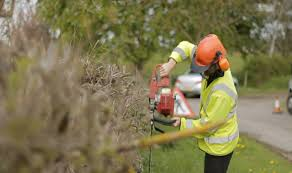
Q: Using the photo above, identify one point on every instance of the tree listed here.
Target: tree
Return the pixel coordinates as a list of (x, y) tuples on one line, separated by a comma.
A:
[(276, 30), (133, 30), (116, 24)]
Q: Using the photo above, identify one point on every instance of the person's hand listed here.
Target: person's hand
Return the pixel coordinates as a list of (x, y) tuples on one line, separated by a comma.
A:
[(177, 121), (167, 67)]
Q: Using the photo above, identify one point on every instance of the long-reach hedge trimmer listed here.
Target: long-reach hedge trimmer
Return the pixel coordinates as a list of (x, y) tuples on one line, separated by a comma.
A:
[(162, 103), (161, 98)]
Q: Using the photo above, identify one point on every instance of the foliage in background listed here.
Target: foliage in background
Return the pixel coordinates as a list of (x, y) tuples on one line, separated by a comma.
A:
[(61, 112), (262, 69), (135, 30), (276, 31)]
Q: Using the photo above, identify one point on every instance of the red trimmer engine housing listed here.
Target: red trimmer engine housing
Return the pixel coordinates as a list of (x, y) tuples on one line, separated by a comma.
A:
[(161, 96)]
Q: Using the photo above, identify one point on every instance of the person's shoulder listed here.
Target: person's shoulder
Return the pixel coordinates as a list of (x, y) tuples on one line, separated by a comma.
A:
[(184, 42)]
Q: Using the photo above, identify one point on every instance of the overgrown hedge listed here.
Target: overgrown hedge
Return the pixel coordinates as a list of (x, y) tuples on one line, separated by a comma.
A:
[(61, 112), (262, 68)]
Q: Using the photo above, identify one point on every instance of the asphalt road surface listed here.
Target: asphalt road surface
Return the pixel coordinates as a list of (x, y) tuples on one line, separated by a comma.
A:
[(257, 120)]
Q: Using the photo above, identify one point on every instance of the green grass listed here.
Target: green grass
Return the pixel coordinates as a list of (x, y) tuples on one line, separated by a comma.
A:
[(261, 92), (184, 156)]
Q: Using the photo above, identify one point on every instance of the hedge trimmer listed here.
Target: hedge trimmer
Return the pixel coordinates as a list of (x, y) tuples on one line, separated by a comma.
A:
[(161, 98), (161, 102)]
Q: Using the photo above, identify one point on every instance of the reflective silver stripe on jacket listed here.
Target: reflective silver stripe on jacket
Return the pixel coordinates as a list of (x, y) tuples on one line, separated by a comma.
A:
[(189, 123), (226, 89), (193, 51), (221, 140), (180, 52), (203, 120), (232, 112), (233, 95), (229, 92)]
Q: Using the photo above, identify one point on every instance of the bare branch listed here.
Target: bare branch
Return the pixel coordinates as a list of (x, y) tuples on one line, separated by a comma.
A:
[(2, 4), (8, 13)]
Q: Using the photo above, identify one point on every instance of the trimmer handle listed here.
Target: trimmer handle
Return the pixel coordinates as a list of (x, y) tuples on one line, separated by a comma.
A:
[(161, 81), (163, 121), (157, 82)]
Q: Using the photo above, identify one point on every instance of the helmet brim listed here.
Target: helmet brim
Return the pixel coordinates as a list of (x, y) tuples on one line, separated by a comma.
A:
[(195, 68)]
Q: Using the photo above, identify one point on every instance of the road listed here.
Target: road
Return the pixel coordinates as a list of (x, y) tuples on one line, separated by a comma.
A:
[(257, 120)]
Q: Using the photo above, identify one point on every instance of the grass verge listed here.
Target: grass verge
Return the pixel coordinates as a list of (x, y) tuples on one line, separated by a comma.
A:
[(258, 92), (184, 156)]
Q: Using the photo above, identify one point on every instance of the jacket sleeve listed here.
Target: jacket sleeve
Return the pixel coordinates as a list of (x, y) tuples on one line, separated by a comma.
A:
[(184, 50), (218, 108)]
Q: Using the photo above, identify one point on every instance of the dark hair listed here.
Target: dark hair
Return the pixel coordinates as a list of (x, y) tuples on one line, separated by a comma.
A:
[(218, 73)]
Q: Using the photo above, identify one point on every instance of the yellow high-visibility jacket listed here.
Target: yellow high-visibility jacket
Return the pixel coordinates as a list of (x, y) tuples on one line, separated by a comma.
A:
[(218, 102)]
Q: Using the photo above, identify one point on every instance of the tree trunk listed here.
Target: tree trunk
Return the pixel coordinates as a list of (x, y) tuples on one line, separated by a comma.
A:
[(140, 65), (245, 78), (272, 46), (2, 4)]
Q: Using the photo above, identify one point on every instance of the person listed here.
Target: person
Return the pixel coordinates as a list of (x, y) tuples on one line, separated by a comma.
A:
[(218, 100)]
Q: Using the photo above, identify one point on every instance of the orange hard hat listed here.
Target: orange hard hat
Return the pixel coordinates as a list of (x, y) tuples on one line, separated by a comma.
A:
[(210, 50)]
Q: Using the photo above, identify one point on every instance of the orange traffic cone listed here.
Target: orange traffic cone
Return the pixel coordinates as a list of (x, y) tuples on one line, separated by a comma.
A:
[(277, 106)]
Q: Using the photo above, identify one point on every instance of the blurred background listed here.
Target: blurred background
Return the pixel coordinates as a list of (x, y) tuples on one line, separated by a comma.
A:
[(74, 76), (257, 34)]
